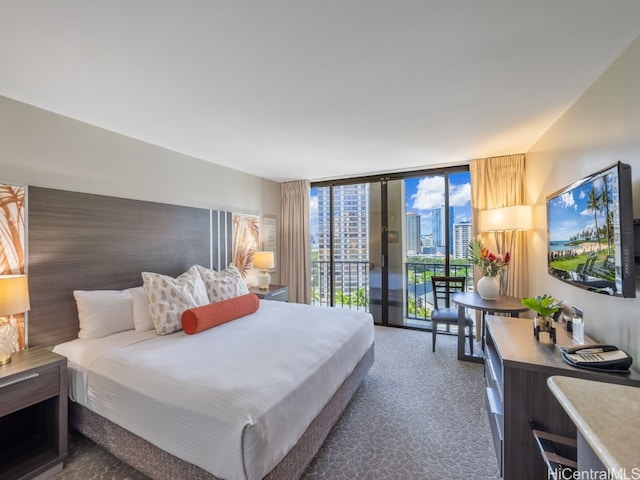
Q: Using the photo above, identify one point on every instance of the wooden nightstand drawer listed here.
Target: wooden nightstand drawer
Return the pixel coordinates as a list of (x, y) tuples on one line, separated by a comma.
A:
[(33, 414), (28, 388)]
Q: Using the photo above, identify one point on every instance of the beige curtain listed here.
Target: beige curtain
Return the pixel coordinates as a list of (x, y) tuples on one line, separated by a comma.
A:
[(296, 240), (500, 182)]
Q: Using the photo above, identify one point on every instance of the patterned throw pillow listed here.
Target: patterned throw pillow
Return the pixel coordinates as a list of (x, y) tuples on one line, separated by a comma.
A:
[(169, 297), (223, 285)]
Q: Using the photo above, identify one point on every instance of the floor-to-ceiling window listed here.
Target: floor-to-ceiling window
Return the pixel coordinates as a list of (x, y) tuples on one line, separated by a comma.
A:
[(376, 242), (438, 219), (340, 245)]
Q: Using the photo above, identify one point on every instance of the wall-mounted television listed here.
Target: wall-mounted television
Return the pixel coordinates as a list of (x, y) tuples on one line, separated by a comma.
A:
[(590, 231)]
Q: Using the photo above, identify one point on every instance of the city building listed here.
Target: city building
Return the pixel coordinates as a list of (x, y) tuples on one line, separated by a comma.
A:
[(350, 240), (413, 233), (461, 238)]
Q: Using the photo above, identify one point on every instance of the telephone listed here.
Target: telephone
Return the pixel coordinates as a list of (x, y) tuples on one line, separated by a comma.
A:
[(598, 357)]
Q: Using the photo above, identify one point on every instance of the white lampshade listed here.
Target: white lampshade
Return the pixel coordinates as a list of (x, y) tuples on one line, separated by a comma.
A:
[(263, 260), (514, 217), (14, 294)]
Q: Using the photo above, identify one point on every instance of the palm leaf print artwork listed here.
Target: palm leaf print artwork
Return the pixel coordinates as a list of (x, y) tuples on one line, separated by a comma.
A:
[(12, 203), (246, 235)]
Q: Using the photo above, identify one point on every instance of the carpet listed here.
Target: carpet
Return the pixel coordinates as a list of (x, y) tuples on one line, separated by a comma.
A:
[(418, 415)]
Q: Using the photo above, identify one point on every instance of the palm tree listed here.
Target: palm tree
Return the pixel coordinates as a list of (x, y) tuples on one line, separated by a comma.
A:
[(315, 295), (593, 204), (604, 203)]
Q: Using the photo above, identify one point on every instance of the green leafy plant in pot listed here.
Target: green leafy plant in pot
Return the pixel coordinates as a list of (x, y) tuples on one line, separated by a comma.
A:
[(544, 306)]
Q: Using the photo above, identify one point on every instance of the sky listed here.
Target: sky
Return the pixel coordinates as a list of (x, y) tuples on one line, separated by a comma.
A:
[(423, 194), (568, 213)]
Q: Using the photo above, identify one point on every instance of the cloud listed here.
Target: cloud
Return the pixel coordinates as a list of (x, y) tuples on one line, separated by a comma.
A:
[(459, 195), (566, 200), (430, 194)]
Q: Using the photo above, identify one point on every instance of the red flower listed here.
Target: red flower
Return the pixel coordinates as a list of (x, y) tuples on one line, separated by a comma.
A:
[(491, 264)]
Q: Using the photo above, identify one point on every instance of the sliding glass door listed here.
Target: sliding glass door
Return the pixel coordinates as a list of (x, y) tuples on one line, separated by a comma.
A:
[(376, 243), (438, 227)]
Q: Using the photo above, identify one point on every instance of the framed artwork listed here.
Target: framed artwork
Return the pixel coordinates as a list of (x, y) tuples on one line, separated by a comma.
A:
[(246, 240), (12, 241), (270, 236)]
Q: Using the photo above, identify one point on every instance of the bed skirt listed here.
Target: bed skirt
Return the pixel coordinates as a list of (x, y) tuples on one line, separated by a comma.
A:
[(160, 465)]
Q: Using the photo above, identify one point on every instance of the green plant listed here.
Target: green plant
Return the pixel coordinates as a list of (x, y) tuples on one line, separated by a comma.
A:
[(491, 264), (544, 305)]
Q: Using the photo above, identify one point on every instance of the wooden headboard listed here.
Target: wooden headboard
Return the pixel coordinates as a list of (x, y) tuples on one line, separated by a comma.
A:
[(79, 241)]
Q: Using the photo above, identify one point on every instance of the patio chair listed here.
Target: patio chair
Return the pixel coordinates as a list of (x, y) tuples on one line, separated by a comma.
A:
[(442, 312)]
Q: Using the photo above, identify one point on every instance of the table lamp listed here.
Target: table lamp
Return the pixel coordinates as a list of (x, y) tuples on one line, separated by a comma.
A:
[(263, 261), (14, 298)]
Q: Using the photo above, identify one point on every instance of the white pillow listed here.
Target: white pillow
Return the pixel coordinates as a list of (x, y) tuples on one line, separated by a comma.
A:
[(103, 312), (223, 285), (169, 297), (142, 319)]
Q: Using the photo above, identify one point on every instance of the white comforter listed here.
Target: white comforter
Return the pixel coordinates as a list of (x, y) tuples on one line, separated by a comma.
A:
[(233, 399)]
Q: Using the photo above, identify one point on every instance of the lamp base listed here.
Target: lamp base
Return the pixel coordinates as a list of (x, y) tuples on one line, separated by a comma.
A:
[(8, 342), (264, 279)]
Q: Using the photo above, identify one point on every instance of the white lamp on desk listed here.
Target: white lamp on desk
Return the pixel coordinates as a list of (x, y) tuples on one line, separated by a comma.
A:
[(263, 261), (14, 298)]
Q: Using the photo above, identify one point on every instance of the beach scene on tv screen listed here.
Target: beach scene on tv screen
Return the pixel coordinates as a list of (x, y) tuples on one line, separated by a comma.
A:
[(584, 234)]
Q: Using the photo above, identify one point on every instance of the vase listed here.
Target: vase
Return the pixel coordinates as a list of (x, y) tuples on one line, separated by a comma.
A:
[(488, 287)]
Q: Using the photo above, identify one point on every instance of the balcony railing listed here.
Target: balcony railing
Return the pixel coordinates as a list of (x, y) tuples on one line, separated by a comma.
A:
[(351, 285), (419, 292)]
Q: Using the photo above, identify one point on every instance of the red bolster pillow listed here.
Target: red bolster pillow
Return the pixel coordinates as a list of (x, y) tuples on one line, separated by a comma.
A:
[(208, 316)]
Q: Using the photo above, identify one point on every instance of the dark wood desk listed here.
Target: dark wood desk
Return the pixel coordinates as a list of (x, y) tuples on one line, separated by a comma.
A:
[(502, 304), (517, 368)]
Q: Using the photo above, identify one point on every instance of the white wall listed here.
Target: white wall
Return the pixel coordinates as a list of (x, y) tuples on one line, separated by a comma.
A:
[(602, 127), (44, 149)]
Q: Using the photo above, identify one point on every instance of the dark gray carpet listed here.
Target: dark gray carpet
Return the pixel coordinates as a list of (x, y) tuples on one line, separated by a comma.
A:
[(417, 415)]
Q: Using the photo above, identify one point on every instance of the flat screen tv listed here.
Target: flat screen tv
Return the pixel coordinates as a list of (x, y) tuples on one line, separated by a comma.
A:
[(590, 231)]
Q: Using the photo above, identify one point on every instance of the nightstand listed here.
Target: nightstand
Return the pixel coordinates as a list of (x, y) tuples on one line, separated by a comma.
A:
[(33, 414), (279, 293)]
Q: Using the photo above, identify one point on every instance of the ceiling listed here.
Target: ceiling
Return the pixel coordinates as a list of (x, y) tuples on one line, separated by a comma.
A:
[(303, 89)]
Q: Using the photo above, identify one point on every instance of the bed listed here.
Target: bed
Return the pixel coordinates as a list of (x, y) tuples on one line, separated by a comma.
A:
[(178, 405)]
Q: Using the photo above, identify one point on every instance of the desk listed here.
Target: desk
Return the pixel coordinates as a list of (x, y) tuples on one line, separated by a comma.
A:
[(502, 304), (605, 441), (517, 368)]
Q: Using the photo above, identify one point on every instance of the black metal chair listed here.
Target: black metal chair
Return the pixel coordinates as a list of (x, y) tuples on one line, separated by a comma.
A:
[(442, 312)]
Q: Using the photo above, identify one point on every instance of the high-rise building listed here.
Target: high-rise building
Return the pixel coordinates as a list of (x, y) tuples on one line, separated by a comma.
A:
[(413, 233), (439, 226), (461, 239), (350, 235)]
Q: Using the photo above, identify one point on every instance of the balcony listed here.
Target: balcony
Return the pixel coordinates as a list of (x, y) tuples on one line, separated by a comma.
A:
[(352, 285)]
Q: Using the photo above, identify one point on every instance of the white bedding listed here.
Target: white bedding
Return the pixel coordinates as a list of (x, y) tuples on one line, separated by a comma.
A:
[(233, 399)]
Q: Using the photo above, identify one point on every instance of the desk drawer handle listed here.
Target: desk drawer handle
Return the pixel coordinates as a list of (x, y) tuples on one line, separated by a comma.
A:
[(18, 380)]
